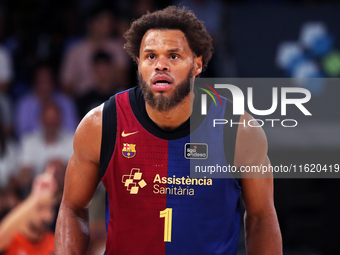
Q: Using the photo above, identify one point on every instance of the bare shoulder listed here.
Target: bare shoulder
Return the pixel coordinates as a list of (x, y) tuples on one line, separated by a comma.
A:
[(251, 151), (251, 143), (87, 139), (81, 179)]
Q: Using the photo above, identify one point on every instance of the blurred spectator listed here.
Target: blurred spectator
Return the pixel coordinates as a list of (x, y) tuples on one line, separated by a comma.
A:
[(25, 229), (105, 83), (6, 72), (8, 156), (6, 76), (8, 171), (42, 146), (8, 200), (59, 167), (29, 107), (6, 113), (76, 76)]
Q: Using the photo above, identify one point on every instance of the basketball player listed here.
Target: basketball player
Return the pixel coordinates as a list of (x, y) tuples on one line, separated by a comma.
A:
[(134, 143)]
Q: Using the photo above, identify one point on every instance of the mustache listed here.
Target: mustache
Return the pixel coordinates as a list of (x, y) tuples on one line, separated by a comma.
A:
[(162, 73)]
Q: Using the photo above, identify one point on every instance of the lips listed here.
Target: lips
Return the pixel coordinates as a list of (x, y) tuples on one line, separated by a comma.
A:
[(161, 78), (161, 82)]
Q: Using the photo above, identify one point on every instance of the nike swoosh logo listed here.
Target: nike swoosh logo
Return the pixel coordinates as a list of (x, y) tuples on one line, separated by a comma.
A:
[(127, 134)]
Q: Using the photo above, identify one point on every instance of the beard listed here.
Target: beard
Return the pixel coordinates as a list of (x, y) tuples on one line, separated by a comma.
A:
[(165, 103)]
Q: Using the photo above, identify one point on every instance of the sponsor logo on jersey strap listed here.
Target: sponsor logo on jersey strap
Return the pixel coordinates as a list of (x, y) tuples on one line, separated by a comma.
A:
[(196, 150), (133, 181), (127, 134), (129, 150)]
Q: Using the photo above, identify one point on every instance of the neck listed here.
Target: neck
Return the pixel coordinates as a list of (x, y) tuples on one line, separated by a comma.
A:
[(173, 118)]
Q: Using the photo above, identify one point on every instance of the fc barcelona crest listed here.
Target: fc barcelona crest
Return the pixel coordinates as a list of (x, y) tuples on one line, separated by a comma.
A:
[(129, 150)]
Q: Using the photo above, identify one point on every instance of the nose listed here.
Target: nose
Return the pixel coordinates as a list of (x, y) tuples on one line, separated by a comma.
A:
[(162, 64)]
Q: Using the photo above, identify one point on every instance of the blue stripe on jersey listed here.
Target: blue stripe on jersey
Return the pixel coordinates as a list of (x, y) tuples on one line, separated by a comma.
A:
[(178, 167), (205, 218)]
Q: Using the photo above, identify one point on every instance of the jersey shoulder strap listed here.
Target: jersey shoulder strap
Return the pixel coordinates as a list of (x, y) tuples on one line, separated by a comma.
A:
[(109, 134)]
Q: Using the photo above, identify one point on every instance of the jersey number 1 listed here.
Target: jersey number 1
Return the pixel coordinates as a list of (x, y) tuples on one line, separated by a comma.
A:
[(167, 214)]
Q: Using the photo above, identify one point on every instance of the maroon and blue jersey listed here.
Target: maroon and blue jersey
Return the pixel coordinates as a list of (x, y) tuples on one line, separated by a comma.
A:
[(154, 205)]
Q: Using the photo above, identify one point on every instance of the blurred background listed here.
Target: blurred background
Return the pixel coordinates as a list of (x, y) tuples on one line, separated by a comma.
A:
[(59, 59)]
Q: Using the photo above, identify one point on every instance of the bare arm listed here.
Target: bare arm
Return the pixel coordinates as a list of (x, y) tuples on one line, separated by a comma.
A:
[(262, 229), (81, 181), (18, 219)]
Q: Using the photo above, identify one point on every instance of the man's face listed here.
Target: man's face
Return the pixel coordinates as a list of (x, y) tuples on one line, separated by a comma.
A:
[(166, 64)]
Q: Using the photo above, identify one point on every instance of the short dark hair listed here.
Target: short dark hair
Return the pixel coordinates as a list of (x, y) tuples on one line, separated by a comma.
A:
[(172, 17)]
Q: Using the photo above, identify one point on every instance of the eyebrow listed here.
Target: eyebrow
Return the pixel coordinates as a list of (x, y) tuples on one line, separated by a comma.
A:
[(174, 50), (148, 50), (170, 50)]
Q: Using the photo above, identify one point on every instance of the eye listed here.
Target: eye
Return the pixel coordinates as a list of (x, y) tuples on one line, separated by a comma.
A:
[(151, 57), (174, 56)]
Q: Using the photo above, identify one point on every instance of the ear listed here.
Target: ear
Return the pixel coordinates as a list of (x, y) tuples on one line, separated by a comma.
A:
[(198, 65)]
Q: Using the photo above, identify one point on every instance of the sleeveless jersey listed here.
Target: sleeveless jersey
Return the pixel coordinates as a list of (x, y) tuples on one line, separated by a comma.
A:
[(154, 206)]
